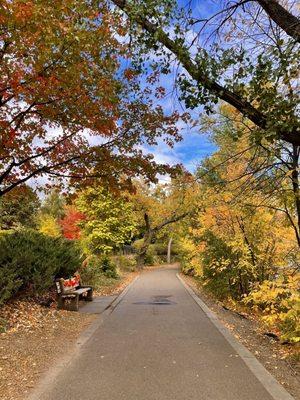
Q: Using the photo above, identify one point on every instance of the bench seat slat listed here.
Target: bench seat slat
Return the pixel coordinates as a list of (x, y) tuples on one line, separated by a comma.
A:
[(82, 290), (76, 291)]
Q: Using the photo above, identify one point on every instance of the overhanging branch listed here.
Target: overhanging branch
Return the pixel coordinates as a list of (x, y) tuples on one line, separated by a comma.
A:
[(183, 56)]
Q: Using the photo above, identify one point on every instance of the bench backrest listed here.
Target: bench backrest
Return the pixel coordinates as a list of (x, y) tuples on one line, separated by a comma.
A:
[(68, 285)]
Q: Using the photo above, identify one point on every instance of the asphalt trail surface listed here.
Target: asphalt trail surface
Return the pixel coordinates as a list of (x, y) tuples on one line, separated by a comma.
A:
[(157, 344)]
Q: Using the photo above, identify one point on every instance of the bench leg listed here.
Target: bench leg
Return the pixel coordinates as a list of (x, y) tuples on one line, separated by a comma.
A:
[(60, 303), (89, 296), (67, 303), (74, 305)]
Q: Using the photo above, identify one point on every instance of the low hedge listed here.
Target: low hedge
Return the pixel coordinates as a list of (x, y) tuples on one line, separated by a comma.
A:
[(30, 260)]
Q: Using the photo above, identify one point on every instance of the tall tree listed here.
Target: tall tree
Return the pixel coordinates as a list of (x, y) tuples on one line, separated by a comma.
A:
[(241, 234), (48, 225), (241, 54), (67, 107), (267, 170), (229, 59), (109, 221)]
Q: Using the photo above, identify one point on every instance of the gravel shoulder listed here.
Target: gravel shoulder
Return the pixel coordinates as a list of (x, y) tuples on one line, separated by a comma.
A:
[(282, 361)]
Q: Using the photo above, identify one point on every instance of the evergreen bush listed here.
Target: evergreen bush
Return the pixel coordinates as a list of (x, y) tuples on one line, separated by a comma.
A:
[(31, 260)]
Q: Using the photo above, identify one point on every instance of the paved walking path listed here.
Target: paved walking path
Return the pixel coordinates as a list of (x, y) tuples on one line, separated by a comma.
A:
[(98, 306), (157, 344)]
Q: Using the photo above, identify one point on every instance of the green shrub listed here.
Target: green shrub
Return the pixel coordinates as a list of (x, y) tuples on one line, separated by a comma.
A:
[(95, 268), (137, 244), (160, 248), (6, 231), (109, 268), (227, 268), (10, 283), (91, 270), (159, 259), (126, 263), (149, 259), (150, 256), (31, 260)]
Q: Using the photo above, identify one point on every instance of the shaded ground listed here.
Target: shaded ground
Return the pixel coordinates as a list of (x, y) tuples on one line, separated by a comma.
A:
[(280, 360), (33, 337), (26, 352)]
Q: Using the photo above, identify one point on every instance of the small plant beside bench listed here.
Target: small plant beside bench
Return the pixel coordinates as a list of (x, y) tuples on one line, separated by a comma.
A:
[(70, 291)]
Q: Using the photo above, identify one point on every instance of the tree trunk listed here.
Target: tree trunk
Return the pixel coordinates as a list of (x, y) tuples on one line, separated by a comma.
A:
[(151, 233), (143, 251), (296, 190), (282, 17), (247, 242), (169, 250), (146, 243)]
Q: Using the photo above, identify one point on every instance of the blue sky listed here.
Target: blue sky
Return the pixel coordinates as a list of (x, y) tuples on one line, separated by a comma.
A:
[(190, 151), (195, 146)]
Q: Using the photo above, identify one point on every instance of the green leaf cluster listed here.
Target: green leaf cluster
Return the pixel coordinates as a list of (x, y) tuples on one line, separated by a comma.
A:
[(110, 221)]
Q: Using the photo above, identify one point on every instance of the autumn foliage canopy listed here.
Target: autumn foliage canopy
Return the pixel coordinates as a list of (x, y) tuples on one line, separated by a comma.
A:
[(69, 108)]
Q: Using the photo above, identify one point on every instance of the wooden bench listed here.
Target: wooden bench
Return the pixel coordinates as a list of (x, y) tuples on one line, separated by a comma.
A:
[(69, 292)]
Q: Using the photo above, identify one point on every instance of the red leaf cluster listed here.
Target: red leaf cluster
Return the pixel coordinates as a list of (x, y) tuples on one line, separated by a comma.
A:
[(69, 224)]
